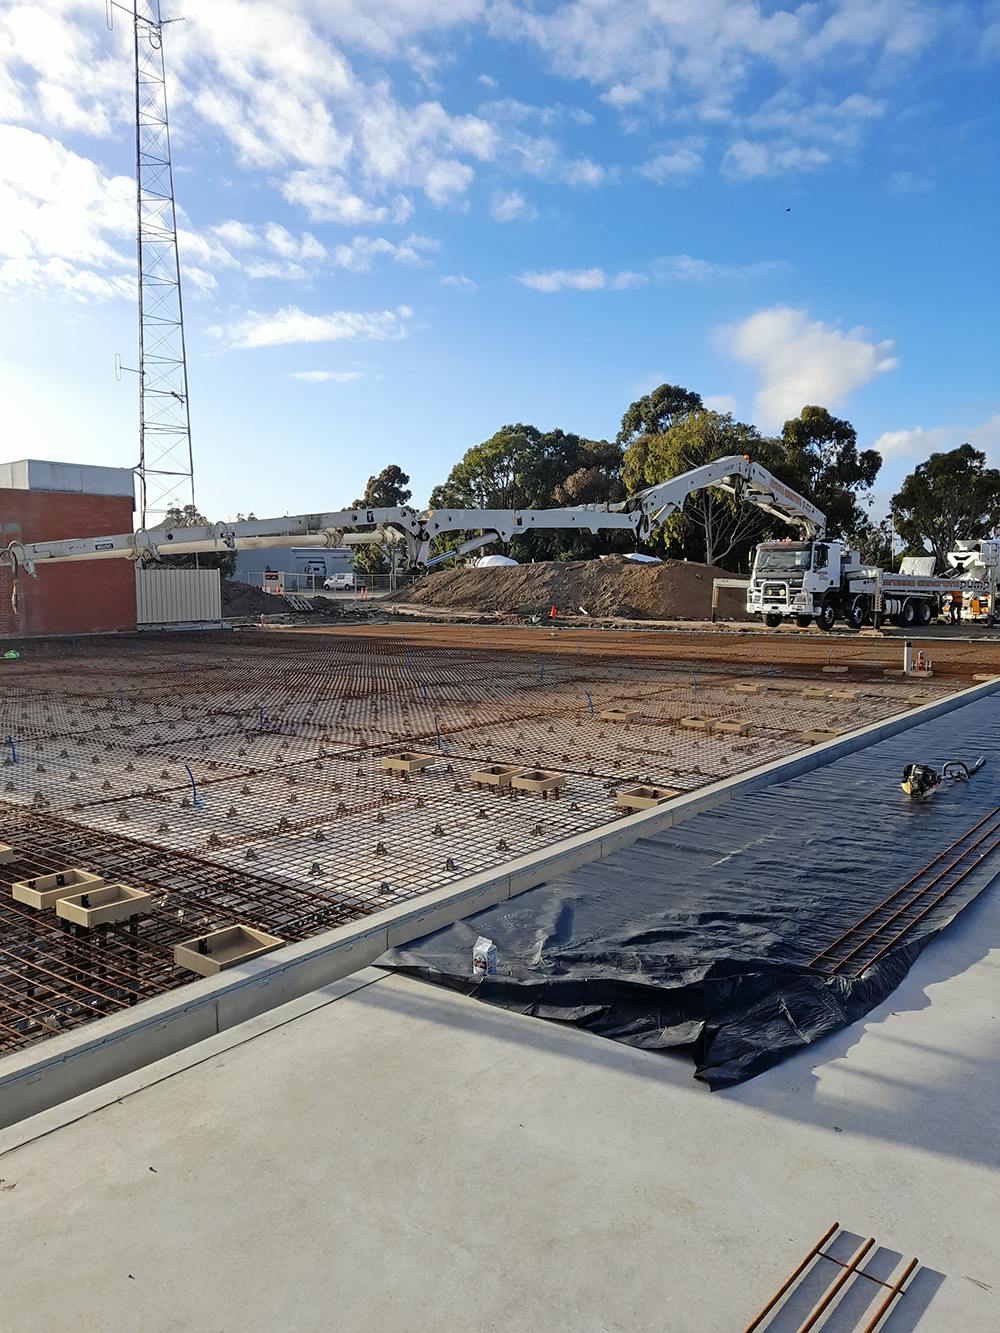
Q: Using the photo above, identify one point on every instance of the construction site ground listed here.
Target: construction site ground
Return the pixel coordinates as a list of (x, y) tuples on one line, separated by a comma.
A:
[(238, 777)]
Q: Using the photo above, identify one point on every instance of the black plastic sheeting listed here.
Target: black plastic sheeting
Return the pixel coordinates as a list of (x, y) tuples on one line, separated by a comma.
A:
[(699, 936)]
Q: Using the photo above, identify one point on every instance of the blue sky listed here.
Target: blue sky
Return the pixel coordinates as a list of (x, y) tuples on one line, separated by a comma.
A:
[(407, 223)]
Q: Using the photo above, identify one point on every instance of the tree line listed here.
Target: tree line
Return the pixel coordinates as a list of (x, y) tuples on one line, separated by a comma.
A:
[(951, 495)]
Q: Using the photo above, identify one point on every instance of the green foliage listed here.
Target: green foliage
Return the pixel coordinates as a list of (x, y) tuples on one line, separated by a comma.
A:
[(520, 467), (389, 490), (822, 460), (190, 517), (713, 526), (873, 542), (656, 412), (951, 496)]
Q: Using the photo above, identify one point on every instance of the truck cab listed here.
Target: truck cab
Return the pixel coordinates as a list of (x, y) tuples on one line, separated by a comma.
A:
[(796, 578)]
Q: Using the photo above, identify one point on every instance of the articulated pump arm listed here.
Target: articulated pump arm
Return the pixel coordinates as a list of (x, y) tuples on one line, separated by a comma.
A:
[(641, 514)]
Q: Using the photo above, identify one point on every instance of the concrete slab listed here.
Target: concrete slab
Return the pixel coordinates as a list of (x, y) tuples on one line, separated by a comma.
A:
[(394, 1154)]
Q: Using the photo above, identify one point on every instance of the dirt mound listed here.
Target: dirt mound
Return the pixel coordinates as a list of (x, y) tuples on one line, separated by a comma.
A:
[(243, 599), (615, 587)]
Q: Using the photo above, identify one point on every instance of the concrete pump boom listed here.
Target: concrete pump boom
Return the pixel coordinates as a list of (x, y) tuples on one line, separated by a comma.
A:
[(641, 514)]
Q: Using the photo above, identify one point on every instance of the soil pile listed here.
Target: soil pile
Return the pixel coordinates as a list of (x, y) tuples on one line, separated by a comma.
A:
[(614, 587), (243, 599)]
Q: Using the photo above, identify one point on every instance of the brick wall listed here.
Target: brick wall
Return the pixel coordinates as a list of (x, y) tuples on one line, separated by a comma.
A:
[(85, 598)]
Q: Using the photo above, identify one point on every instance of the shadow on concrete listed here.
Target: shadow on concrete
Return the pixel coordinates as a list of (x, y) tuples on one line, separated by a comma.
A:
[(946, 1106)]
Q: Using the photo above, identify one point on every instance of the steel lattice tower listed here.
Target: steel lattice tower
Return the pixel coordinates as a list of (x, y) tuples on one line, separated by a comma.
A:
[(166, 463)]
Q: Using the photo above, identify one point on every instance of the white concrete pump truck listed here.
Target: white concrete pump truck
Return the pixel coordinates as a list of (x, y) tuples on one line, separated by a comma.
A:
[(814, 578)]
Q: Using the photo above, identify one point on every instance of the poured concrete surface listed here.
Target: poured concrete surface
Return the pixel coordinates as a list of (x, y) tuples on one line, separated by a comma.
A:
[(386, 1154)]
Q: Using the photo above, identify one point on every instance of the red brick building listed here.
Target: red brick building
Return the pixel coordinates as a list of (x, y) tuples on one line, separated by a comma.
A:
[(42, 501)]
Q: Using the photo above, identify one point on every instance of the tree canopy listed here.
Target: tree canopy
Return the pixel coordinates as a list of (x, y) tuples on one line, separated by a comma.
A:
[(951, 496), (823, 461), (388, 490), (189, 516)]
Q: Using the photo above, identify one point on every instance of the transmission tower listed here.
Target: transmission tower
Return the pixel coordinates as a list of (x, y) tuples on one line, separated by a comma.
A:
[(166, 463)]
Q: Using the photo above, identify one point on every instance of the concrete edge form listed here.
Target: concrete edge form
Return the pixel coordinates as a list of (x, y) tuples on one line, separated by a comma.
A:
[(73, 1063)]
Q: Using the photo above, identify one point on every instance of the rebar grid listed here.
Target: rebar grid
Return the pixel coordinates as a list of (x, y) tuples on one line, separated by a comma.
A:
[(239, 781)]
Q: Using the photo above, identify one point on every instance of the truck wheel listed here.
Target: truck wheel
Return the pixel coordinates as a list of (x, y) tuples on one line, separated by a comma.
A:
[(856, 613), (772, 621), (924, 613), (827, 617), (907, 617), (803, 622)]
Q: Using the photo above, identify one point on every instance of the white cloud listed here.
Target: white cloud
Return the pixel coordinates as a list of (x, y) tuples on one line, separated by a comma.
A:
[(688, 268), (487, 80), (65, 226), (802, 361), (292, 325), (359, 253), (746, 160), (920, 443), (328, 197), (621, 94), (674, 164), (720, 402), (460, 282), (506, 205), (581, 280), (627, 280), (326, 376)]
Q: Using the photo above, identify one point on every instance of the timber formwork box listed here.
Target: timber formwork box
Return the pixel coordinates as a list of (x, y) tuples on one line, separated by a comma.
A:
[(644, 798), (821, 734), (406, 762), (104, 906), (497, 777), (44, 891), (541, 781), (213, 953), (619, 715), (734, 726)]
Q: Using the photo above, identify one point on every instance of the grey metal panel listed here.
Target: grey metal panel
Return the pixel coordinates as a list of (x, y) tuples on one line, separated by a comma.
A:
[(177, 596), (250, 565), (36, 474)]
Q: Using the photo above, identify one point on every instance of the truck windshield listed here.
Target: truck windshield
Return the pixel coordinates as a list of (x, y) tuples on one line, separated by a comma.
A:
[(783, 560)]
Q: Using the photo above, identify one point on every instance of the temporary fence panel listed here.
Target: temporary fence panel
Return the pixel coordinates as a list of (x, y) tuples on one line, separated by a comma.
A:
[(177, 596)]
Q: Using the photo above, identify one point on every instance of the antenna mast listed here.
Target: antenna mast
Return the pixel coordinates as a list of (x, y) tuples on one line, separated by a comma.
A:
[(166, 463)]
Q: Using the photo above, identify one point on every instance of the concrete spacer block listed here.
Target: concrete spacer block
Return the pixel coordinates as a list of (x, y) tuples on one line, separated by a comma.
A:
[(835, 670), (749, 687), (6, 854), (816, 692)]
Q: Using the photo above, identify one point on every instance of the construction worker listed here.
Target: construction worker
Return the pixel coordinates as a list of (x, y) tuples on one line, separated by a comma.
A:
[(956, 607)]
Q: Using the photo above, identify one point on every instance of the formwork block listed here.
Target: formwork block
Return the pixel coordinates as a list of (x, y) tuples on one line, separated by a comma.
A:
[(213, 953), (732, 726), (45, 891), (845, 695), (406, 761), (619, 715), (496, 776), (821, 734), (816, 692), (6, 854), (694, 723), (985, 675), (835, 670), (104, 906), (539, 780), (644, 798), (749, 687)]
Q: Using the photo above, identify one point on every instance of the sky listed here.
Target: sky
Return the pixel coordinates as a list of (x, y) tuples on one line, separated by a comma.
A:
[(407, 223)]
